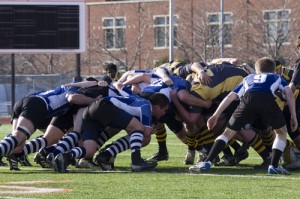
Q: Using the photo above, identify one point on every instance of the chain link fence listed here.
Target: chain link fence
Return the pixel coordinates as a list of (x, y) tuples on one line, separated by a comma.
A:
[(25, 85)]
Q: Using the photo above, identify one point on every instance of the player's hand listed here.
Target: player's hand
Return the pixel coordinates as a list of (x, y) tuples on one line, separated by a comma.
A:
[(204, 78), (294, 124), (173, 94), (211, 122), (168, 81)]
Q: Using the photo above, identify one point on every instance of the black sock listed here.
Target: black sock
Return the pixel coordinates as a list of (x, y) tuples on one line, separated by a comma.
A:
[(215, 150)]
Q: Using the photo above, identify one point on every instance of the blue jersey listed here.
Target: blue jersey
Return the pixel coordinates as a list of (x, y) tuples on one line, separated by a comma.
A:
[(56, 99), (265, 82), (160, 87), (138, 107)]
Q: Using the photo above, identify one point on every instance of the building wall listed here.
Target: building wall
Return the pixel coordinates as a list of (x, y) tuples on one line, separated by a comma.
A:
[(247, 31)]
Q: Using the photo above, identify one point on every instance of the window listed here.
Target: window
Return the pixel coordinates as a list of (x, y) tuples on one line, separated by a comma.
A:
[(276, 26), (215, 26), (114, 33), (161, 27)]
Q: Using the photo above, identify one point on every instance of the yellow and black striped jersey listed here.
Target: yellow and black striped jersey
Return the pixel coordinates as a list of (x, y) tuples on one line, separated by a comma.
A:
[(287, 73), (224, 78), (181, 69)]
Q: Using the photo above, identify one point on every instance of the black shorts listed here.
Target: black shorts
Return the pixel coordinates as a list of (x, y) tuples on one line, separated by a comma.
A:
[(173, 121), (102, 114), (65, 122), (34, 109), (255, 106)]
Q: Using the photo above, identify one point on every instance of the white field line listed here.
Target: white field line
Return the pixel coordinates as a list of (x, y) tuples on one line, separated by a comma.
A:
[(7, 197), (270, 177), (277, 177)]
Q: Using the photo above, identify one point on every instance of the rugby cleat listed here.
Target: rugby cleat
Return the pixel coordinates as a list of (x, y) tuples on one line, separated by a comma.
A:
[(242, 153), (13, 162), (62, 161), (142, 165), (159, 156), (227, 160), (202, 154), (86, 163), (189, 157), (41, 160), (277, 170), (51, 161), (1, 162), (106, 163), (200, 167), (24, 161)]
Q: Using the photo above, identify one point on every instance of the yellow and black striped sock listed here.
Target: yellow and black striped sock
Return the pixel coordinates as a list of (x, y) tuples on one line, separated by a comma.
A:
[(268, 139), (161, 137), (257, 144)]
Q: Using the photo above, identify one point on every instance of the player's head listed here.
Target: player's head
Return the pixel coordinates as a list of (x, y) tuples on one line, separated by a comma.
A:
[(160, 103), (111, 70), (265, 65)]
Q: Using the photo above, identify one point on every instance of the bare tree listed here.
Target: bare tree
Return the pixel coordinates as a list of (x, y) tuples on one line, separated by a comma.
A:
[(272, 29), (100, 51)]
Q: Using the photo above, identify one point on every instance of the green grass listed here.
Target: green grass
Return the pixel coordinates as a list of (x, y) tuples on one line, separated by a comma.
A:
[(170, 179)]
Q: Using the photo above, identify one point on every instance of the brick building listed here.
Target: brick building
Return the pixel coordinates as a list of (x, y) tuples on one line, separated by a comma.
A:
[(134, 33)]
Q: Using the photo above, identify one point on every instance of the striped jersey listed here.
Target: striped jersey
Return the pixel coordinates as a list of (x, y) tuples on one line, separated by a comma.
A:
[(138, 107), (264, 82), (56, 99)]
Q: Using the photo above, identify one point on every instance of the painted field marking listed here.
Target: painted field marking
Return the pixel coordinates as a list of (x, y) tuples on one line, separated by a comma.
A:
[(7, 188)]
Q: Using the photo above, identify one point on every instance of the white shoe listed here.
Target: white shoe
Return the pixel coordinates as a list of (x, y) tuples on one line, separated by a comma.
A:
[(278, 170), (200, 167)]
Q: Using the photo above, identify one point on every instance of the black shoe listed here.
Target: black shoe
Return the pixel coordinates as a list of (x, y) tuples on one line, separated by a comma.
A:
[(142, 165), (86, 163), (242, 153), (51, 161), (41, 160), (226, 160), (62, 161), (13, 162), (264, 165), (241, 156), (24, 161), (1, 162), (106, 163), (159, 156)]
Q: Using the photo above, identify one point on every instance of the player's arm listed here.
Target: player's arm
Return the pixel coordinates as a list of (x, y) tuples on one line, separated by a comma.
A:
[(162, 72), (142, 77), (82, 84), (80, 99), (212, 121), (203, 77), (147, 135), (184, 114), (248, 68), (126, 75), (292, 107), (190, 99)]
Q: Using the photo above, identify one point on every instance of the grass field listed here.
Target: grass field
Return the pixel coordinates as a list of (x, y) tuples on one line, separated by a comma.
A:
[(170, 179)]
